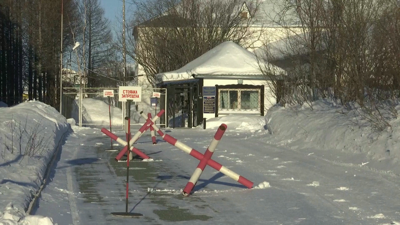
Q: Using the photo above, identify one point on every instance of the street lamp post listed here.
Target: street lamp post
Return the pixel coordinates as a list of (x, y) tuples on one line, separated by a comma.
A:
[(61, 57), (80, 83)]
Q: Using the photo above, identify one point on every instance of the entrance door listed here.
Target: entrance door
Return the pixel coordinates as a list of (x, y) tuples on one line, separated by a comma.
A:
[(182, 105)]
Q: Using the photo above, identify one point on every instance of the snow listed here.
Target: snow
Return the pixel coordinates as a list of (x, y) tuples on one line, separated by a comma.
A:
[(228, 58), (29, 135), (96, 112), (324, 165)]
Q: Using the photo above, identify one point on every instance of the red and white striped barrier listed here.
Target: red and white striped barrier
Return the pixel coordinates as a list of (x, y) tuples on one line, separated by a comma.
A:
[(199, 156), (124, 143), (203, 162), (138, 134), (152, 132)]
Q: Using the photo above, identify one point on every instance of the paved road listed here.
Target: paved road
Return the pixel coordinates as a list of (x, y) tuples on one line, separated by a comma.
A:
[(305, 188)]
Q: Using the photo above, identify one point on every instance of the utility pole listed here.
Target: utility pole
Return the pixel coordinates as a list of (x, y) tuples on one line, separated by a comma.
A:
[(61, 57), (124, 55), (124, 44)]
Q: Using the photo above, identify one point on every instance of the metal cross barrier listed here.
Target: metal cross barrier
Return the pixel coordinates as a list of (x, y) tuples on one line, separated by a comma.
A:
[(124, 143), (138, 134), (199, 156), (203, 162), (152, 132)]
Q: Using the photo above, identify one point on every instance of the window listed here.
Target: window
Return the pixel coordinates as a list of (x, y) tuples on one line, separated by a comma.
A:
[(239, 99), (244, 15), (229, 99), (249, 100)]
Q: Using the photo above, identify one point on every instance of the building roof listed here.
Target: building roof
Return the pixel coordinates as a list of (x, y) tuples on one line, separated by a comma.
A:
[(270, 13), (227, 58)]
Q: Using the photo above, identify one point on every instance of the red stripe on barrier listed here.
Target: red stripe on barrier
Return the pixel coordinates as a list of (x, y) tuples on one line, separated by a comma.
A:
[(196, 154), (139, 153), (189, 187), (203, 162), (214, 164), (145, 126), (121, 153), (245, 182), (160, 113), (108, 133), (220, 132), (170, 139)]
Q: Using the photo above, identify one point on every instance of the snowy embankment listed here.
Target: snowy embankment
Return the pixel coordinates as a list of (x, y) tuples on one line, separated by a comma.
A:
[(336, 134), (30, 134)]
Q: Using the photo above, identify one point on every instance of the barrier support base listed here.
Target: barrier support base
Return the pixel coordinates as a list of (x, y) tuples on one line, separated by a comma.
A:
[(126, 214)]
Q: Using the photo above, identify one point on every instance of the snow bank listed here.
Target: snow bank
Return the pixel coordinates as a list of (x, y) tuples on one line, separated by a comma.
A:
[(237, 122), (29, 133), (329, 128), (96, 111), (2, 104)]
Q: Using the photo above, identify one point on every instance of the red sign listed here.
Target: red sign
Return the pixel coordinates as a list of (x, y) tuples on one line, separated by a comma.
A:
[(156, 94), (108, 93), (130, 93)]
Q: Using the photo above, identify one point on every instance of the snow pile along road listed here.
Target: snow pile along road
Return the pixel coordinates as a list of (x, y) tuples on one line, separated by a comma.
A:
[(30, 134)]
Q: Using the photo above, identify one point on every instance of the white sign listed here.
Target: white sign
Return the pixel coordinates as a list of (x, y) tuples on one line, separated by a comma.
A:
[(108, 93), (156, 94), (130, 93)]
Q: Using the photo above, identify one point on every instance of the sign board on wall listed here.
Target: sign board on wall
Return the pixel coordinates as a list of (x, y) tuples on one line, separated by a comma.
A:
[(153, 102), (133, 93), (108, 93), (209, 91), (156, 95), (208, 104)]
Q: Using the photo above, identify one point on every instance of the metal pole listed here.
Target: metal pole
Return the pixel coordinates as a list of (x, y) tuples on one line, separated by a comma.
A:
[(80, 84), (61, 55), (124, 42), (109, 113), (80, 99), (128, 136), (124, 48)]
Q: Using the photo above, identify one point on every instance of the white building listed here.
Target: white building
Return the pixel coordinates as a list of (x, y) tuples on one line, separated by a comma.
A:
[(266, 27)]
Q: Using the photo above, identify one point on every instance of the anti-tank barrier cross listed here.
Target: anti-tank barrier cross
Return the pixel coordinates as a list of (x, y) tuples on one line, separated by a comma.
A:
[(122, 142), (145, 127), (193, 152), (203, 162)]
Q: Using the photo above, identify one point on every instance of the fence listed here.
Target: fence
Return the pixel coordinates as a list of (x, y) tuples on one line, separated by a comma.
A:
[(95, 107)]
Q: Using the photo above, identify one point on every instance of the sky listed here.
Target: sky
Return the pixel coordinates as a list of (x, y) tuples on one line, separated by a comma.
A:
[(320, 166), (113, 10)]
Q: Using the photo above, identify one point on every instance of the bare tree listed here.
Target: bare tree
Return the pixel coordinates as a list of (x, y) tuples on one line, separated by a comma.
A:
[(30, 56), (95, 37), (342, 54), (170, 33)]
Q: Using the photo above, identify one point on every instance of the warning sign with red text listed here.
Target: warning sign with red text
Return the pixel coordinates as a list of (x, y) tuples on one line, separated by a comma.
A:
[(108, 93), (130, 93)]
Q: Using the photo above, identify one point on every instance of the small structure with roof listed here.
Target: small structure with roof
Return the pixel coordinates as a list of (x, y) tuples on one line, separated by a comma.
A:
[(225, 80)]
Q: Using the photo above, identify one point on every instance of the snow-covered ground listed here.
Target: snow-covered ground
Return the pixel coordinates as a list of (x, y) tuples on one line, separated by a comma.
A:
[(320, 166)]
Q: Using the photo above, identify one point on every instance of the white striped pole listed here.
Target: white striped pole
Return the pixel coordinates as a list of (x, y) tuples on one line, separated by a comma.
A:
[(138, 134), (203, 162), (199, 156), (152, 132), (122, 142)]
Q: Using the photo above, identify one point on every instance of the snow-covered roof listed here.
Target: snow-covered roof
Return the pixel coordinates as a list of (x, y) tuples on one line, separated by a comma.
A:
[(294, 45), (228, 58)]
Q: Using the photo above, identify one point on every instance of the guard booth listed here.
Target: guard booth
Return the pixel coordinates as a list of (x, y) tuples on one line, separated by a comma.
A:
[(225, 80)]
